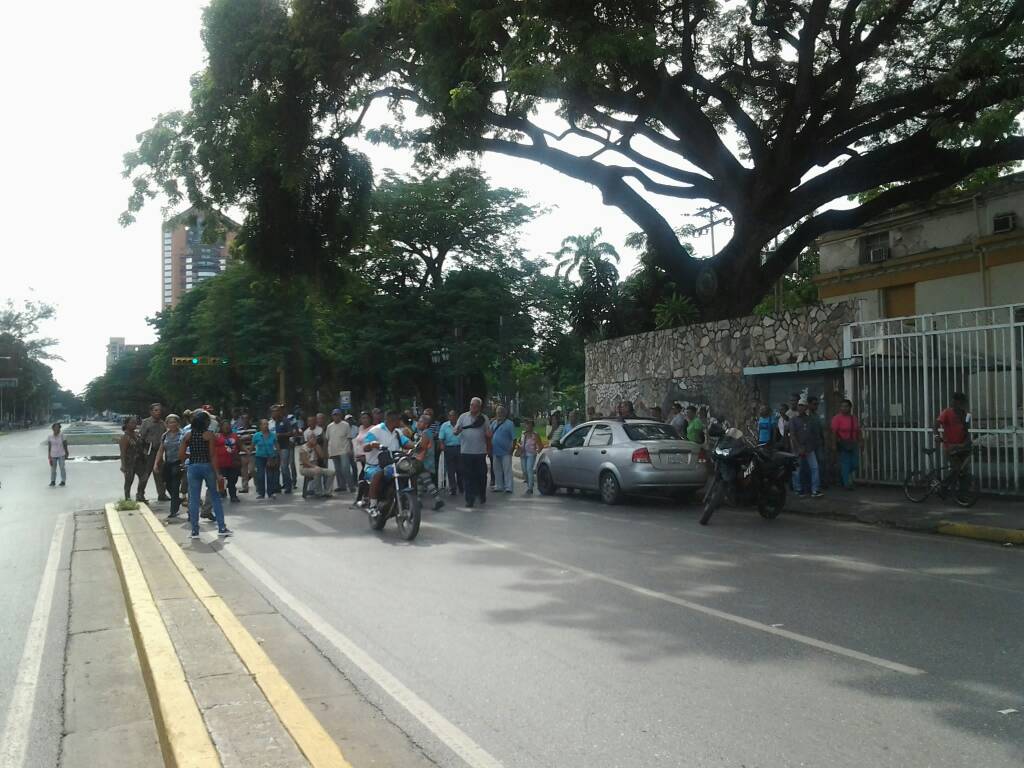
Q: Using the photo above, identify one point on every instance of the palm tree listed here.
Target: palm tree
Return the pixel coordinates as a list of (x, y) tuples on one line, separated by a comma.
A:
[(577, 250)]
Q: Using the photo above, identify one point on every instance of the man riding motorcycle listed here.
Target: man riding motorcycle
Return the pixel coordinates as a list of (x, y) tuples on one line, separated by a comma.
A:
[(385, 435)]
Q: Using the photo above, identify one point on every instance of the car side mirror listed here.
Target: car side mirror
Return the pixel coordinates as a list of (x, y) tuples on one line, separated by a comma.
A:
[(555, 444)]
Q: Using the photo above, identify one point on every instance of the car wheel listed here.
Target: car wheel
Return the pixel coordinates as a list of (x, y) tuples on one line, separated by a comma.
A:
[(545, 483), (611, 492)]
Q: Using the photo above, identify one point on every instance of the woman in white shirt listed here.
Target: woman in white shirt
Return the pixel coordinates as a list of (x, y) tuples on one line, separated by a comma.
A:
[(57, 451)]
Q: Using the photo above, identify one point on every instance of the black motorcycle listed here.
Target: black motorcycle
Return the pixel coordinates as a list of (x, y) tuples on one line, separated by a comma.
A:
[(398, 497), (745, 473)]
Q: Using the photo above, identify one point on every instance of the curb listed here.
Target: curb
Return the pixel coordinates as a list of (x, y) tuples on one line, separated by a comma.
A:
[(180, 727), (982, 532), (309, 735)]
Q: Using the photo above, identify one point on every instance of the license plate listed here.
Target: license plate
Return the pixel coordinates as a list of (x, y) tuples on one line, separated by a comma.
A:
[(673, 458)]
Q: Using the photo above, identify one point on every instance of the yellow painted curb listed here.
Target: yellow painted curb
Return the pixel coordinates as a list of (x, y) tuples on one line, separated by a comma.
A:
[(184, 739), (982, 532), (312, 740)]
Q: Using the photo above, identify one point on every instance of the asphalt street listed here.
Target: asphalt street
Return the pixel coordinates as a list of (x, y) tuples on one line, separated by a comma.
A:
[(35, 542), (561, 632)]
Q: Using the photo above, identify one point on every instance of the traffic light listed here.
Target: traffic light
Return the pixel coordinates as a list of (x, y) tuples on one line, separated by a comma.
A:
[(200, 360), (195, 361)]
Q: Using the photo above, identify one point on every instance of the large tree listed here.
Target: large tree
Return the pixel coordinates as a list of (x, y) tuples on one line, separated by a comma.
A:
[(427, 222), (770, 108)]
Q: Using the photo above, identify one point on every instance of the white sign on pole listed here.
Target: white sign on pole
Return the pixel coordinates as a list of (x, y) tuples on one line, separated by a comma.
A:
[(345, 399)]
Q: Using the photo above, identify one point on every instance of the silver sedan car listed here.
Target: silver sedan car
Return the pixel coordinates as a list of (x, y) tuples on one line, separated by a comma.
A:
[(617, 457)]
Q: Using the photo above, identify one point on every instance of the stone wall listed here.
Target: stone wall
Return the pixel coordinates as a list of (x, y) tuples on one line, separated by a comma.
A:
[(703, 364)]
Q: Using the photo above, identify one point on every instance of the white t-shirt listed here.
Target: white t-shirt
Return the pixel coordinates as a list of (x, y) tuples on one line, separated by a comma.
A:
[(390, 440), (56, 446), (339, 438)]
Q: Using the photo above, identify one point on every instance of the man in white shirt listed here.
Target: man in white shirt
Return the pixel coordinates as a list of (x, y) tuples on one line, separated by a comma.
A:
[(309, 467), (339, 450), (384, 435)]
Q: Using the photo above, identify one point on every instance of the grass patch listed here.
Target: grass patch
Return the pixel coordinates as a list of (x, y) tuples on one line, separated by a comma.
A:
[(126, 505)]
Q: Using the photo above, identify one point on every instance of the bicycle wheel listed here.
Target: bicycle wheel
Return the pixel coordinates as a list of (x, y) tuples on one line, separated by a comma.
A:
[(967, 490), (918, 486)]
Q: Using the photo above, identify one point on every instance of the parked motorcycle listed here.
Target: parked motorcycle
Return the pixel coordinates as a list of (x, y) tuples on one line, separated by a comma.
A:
[(398, 497), (746, 474)]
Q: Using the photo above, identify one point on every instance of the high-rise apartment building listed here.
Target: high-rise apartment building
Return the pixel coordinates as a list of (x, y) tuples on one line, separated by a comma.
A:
[(187, 258), (116, 349)]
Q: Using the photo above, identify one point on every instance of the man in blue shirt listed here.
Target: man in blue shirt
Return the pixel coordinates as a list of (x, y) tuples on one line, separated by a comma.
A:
[(451, 445), (503, 435)]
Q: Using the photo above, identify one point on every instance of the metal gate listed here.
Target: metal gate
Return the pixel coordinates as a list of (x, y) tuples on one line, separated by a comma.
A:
[(905, 371)]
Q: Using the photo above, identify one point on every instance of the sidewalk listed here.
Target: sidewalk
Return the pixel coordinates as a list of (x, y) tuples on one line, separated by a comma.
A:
[(206, 672), (993, 518)]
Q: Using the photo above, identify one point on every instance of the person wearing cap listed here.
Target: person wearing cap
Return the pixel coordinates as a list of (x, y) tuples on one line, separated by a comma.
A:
[(802, 436), (339, 450)]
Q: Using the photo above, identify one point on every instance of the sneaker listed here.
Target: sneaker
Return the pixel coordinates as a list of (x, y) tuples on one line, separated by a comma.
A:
[(225, 532), (438, 504), (243, 490), (62, 483), (173, 515), (163, 498), (52, 484), (258, 496), (373, 510), (195, 535), (817, 495), (206, 515)]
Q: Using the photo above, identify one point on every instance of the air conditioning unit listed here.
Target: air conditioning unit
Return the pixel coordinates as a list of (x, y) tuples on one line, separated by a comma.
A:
[(875, 255), (1004, 222)]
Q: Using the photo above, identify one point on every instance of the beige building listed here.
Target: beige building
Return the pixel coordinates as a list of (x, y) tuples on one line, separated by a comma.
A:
[(962, 252), (116, 348), (187, 258)]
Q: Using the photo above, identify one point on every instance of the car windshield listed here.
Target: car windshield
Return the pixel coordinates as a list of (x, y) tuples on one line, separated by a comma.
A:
[(651, 430)]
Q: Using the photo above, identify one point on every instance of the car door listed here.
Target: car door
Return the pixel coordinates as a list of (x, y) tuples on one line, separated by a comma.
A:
[(592, 455), (564, 459)]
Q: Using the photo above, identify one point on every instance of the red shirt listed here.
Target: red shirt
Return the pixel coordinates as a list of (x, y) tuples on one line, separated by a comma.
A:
[(846, 426), (227, 448), (954, 431)]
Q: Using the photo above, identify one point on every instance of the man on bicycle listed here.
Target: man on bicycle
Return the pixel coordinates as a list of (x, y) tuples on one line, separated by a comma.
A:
[(953, 430)]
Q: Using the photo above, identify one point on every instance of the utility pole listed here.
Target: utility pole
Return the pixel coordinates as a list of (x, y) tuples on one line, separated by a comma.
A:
[(709, 214)]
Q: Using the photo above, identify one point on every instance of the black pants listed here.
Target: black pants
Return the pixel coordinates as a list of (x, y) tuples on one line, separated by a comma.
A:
[(172, 482), (453, 468), (231, 479), (474, 476)]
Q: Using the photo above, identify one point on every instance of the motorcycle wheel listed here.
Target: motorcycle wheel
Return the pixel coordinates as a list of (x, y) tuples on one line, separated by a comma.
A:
[(712, 499), (408, 516), (773, 502), (377, 523)]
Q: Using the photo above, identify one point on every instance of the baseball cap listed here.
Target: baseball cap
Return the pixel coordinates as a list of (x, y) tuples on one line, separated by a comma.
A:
[(336, 412)]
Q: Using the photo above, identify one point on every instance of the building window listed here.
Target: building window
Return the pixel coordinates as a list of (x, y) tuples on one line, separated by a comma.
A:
[(874, 248)]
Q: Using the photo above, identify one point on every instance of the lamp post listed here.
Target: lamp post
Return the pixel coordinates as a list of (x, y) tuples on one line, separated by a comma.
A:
[(437, 357), (459, 402)]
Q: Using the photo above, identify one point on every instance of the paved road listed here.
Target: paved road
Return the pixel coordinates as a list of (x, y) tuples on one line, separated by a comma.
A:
[(560, 632), (32, 637)]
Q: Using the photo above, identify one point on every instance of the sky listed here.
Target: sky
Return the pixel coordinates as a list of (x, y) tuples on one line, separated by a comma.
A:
[(80, 81)]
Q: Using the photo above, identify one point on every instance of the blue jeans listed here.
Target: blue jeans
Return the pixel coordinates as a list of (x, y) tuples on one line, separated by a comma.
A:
[(529, 460), (848, 464), (266, 481), (344, 481), (197, 474), (502, 466), (287, 455), (55, 463), (810, 461)]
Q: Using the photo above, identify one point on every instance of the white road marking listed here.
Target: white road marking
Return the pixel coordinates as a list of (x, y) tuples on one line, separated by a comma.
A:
[(17, 729), (451, 735), (1007, 711), (839, 650), (310, 522)]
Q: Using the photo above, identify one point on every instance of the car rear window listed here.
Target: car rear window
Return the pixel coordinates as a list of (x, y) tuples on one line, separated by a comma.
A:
[(653, 430)]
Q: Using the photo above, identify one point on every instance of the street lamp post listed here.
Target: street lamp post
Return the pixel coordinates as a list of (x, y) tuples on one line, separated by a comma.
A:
[(437, 357)]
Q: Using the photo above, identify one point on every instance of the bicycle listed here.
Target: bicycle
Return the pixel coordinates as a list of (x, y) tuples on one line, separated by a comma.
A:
[(944, 481)]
